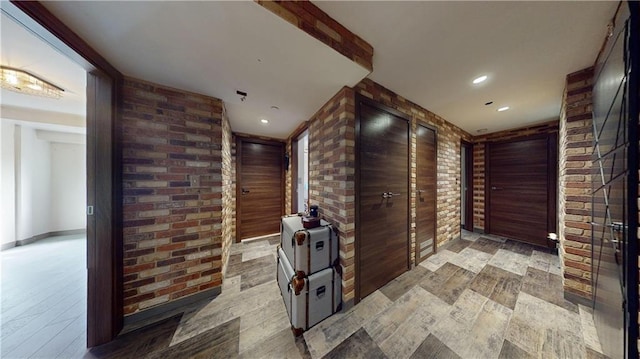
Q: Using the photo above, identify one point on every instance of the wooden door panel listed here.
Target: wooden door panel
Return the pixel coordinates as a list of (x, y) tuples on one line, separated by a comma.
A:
[(382, 222), (519, 189), (426, 192), (259, 188)]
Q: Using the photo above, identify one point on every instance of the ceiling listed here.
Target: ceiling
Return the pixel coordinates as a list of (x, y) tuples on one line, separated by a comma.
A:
[(217, 48), (23, 50), (428, 52)]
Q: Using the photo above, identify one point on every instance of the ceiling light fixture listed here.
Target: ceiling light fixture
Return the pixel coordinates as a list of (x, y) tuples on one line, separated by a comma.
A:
[(23, 82), (264, 121), (480, 79), (503, 108)]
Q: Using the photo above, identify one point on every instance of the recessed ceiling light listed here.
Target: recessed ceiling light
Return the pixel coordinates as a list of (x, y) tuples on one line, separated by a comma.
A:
[(264, 121), (503, 108), (482, 130), (275, 107), (480, 79)]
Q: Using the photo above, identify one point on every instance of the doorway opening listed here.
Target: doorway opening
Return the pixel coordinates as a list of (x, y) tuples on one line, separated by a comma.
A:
[(300, 173), (43, 195), (466, 186), (103, 263)]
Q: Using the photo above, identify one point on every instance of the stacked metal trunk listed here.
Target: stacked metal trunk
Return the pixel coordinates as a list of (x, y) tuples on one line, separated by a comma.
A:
[(307, 272)]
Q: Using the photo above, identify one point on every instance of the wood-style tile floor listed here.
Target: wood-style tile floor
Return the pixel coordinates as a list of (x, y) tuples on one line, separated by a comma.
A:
[(480, 298)]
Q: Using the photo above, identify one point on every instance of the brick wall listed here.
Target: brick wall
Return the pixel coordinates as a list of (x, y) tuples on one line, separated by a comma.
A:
[(576, 142), (228, 191), (172, 229), (332, 176), (479, 144), (332, 168), (315, 22)]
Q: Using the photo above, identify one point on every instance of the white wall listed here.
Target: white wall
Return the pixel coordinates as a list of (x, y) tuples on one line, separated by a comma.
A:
[(68, 186), (7, 183), (42, 181), (33, 185)]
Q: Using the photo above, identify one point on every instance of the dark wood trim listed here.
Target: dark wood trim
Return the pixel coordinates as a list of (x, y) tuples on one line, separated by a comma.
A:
[(239, 140), (356, 186), (552, 177), (169, 309), (104, 242), (552, 182), (467, 147), (61, 36), (487, 192), (299, 130), (359, 99), (261, 140)]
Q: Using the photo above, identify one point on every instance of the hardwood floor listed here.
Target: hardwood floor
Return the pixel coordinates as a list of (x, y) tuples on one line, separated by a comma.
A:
[(44, 288)]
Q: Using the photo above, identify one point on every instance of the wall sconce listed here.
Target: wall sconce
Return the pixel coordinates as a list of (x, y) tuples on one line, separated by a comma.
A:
[(23, 82)]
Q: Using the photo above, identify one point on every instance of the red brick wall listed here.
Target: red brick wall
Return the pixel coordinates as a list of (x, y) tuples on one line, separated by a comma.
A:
[(315, 22), (332, 175), (576, 143), (479, 143), (228, 191), (332, 168), (172, 229)]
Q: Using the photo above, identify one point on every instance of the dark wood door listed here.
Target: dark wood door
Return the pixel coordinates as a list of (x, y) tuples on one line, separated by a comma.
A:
[(466, 186), (521, 188), (425, 192), (259, 187), (383, 182)]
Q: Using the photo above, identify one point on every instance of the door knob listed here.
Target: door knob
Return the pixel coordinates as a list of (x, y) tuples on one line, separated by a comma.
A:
[(245, 191)]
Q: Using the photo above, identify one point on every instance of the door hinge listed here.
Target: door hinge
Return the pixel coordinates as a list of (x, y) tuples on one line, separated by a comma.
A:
[(89, 210)]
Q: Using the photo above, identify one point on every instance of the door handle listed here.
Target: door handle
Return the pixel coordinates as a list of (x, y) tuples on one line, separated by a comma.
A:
[(389, 194), (245, 191), (494, 188), (420, 190)]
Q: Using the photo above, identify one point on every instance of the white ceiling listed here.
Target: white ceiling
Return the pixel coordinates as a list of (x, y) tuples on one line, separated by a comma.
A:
[(217, 48), (427, 52), (23, 50)]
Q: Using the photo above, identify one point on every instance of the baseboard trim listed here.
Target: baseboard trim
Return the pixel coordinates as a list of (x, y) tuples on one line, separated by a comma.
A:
[(576, 299), (347, 305), (24, 242), (167, 310), (7, 245)]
